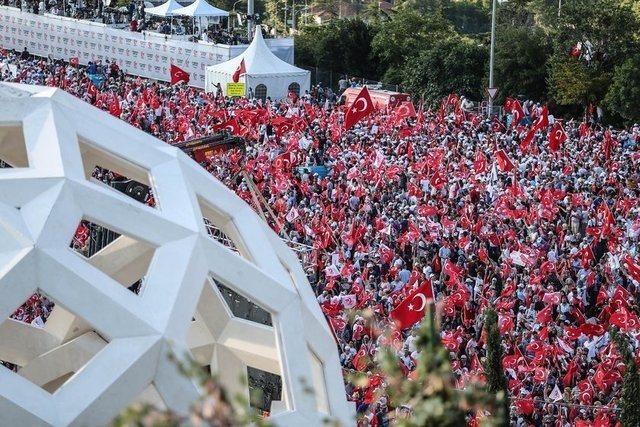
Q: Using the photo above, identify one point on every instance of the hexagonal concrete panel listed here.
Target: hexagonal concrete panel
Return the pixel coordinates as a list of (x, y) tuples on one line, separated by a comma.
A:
[(167, 250)]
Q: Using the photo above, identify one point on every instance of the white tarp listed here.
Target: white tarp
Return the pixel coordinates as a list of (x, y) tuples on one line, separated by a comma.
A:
[(165, 9), (201, 8), (262, 68)]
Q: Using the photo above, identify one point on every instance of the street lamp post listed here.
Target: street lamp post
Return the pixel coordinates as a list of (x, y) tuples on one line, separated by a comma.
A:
[(293, 15), (250, 24), (491, 57)]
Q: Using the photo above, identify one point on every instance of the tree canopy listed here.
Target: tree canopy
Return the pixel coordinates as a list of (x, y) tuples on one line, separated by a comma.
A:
[(570, 54)]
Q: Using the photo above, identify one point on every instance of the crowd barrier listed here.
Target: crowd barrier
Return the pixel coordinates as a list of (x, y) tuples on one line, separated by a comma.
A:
[(147, 54)]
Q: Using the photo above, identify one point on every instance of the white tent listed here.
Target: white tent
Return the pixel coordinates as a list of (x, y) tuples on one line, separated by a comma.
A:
[(165, 9), (200, 8), (266, 74)]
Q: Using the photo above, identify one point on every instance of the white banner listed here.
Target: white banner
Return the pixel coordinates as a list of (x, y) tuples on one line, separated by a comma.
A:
[(147, 54)]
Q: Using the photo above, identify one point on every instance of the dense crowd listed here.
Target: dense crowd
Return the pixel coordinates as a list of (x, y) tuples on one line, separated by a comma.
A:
[(486, 211)]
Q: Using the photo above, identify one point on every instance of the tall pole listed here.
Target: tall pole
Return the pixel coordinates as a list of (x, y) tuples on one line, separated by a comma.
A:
[(493, 47), (293, 15), (250, 24), (559, 7), (285, 18)]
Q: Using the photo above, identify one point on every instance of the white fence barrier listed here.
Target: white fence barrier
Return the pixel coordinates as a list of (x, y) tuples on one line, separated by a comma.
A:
[(147, 54)]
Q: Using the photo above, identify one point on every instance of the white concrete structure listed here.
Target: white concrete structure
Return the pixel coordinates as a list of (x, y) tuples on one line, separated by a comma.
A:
[(103, 346)]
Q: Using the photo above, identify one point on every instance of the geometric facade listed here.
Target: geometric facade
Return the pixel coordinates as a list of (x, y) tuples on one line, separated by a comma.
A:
[(84, 334)]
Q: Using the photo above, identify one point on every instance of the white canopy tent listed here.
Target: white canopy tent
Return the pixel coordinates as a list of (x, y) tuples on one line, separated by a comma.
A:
[(266, 74), (200, 8), (165, 9)]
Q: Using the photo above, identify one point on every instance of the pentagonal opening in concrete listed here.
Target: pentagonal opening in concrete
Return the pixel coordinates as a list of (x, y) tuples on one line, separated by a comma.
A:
[(123, 258), (41, 356), (108, 169), (13, 150)]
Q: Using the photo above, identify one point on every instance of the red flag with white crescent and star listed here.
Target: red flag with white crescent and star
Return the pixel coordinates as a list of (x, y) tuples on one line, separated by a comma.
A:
[(362, 106), (242, 69), (543, 119), (412, 309), (504, 162), (404, 110), (92, 90), (437, 180), (480, 162), (517, 113), (557, 137), (178, 75)]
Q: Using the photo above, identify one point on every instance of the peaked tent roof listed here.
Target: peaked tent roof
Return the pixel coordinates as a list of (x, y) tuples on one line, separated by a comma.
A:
[(258, 60), (167, 8), (201, 8)]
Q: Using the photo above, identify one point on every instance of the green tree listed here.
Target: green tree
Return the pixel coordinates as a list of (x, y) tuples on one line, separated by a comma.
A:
[(403, 37), (630, 416), (608, 30), (450, 66), (573, 82), (468, 17), (624, 92), (422, 7), (520, 61), (343, 46), (608, 25), (494, 371)]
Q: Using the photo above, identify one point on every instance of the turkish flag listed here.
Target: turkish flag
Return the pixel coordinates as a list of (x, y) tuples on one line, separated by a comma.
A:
[(338, 323), (592, 330), (242, 69), (543, 119), (497, 125), (633, 268), (517, 113), (361, 359), (508, 104), (576, 50), (557, 137), (115, 108), (362, 106), (525, 406), (595, 232), (404, 110), (282, 163), (505, 323), (74, 61), (602, 295), (230, 125), (552, 298), (480, 162), (545, 314), (625, 320), (437, 180), (504, 162), (598, 378), (412, 309), (92, 90), (178, 75), (526, 141)]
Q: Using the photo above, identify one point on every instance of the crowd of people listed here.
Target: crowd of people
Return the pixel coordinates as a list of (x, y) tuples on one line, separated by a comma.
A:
[(486, 211)]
